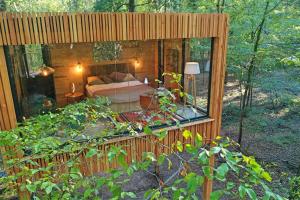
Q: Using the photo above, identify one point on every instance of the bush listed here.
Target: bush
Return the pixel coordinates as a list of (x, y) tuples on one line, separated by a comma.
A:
[(294, 188)]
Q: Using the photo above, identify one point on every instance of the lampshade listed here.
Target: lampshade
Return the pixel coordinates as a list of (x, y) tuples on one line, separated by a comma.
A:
[(192, 68)]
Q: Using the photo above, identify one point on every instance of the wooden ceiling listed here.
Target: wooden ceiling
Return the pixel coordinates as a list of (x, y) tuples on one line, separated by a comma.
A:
[(55, 28)]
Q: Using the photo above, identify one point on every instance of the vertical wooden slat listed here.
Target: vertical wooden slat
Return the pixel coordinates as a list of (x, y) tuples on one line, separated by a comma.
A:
[(62, 29), (86, 30), (79, 27), (11, 28), (44, 30), (58, 28), (35, 29), (3, 32), (98, 26), (66, 27), (48, 28), (93, 32), (16, 26), (39, 28)]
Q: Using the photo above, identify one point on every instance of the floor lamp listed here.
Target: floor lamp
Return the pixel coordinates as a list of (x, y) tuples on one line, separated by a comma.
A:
[(191, 69)]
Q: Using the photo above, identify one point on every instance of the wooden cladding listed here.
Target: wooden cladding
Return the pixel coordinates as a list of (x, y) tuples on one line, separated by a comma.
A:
[(134, 147), (54, 28), (7, 110)]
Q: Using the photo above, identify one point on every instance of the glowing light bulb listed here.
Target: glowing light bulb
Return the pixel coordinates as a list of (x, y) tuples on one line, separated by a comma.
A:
[(79, 68), (45, 73)]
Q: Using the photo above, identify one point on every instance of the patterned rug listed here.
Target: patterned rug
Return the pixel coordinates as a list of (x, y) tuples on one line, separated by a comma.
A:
[(140, 117)]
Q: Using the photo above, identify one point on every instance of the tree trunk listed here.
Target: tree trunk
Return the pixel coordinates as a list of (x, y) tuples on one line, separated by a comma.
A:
[(131, 5), (245, 97), (2, 5)]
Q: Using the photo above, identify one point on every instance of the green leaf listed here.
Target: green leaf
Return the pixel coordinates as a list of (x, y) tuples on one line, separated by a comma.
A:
[(193, 181), (203, 158), (149, 156), (187, 134), (242, 191), (230, 185), (87, 193), (121, 160), (91, 153), (179, 146), (161, 134), (191, 149), (206, 171), (222, 171), (31, 188), (198, 140), (161, 159), (147, 130), (215, 150), (216, 195), (251, 193), (266, 176)]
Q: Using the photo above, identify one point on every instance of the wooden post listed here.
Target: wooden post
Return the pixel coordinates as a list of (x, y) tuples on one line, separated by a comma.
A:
[(8, 118)]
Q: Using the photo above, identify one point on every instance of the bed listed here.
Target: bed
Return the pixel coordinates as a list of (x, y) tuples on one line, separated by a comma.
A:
[(123, 93)]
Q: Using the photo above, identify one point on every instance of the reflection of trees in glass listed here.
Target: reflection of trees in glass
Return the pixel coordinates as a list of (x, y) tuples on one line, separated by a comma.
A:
[(107, 51), (200, 49), (34, 57), (104, 51)]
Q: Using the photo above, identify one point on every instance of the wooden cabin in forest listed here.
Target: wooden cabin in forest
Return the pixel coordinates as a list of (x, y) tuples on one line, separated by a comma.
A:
[(50, 60)]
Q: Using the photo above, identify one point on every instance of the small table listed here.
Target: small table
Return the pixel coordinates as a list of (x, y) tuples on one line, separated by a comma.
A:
[(148, 102), (74, 97)]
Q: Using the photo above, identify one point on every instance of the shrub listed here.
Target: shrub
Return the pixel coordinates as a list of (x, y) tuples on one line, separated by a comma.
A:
[(294, 188)]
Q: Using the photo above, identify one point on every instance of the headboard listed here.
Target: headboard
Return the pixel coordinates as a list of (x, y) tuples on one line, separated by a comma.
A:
[(106, 69)]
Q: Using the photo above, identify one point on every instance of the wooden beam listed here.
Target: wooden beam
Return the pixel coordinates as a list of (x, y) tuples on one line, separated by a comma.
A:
[(7, 116)]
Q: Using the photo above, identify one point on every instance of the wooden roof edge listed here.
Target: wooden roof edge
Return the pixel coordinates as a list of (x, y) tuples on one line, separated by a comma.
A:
[(132, 13)]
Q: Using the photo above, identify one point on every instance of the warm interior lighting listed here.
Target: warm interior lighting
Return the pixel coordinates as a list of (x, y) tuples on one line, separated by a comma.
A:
[(46, 71), (137, 62), (78, 68)]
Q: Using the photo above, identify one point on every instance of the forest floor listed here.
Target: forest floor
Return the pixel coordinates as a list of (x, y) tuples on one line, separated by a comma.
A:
[(271, 130)]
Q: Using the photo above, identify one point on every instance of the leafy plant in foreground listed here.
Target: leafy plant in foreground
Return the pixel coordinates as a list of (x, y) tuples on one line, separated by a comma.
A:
[(46, 138)]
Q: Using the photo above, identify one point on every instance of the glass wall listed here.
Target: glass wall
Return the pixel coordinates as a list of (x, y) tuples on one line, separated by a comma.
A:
[(47, 77)]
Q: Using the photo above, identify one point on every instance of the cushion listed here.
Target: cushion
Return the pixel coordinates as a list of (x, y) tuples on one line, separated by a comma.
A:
[(128, 77), (106, 79), (92, 78), (97, 82), (117, 76)]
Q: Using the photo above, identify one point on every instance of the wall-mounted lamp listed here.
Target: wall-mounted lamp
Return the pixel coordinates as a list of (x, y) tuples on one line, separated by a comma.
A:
[(46, 71), (78, 68), (137, 62)]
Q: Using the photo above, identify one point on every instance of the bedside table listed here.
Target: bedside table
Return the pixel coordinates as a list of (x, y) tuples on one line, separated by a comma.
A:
[(75, 97)]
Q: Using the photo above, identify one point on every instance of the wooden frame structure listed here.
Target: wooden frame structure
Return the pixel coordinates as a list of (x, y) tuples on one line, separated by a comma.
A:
[(55, 28)]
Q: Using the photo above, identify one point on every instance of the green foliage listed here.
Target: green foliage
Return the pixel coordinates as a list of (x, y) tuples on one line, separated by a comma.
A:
[(294, 188)]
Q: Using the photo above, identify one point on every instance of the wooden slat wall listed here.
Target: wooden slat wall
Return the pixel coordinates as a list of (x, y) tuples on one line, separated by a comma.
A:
[(49, 28), (134, 147)]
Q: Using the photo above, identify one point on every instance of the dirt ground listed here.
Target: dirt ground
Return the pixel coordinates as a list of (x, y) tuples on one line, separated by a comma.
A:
[(272, 127)]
